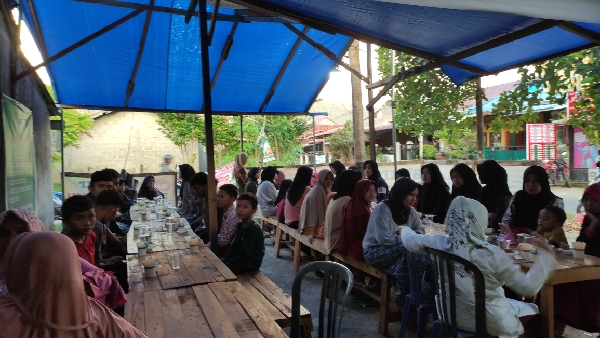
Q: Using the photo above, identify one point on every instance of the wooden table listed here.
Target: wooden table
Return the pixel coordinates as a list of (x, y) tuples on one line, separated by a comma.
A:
[(196, 268), (218, 309), (161, 241)]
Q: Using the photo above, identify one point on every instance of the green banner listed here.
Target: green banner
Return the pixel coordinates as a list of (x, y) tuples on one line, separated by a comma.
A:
[(19, 155)]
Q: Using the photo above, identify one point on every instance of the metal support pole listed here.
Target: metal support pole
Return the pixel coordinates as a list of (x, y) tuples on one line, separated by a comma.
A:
[(242, 132), (479, 112), (394, 112), (314, 147), (62, 153), (372, 135), (208, 121)]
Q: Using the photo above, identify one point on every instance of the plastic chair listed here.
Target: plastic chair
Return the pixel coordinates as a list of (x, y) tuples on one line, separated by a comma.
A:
[(415, 299), (334, 274), (443, 269)]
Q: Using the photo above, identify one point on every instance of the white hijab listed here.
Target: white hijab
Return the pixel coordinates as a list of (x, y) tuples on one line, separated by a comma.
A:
[(465, 221), (313, 208)]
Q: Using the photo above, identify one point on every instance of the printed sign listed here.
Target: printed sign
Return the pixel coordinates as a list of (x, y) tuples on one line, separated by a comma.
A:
[(19, 155), (224, 174), (584, 155)]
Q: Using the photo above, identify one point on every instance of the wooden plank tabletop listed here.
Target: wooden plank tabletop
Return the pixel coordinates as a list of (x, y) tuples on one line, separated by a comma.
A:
[(218, 309), (196, 268)]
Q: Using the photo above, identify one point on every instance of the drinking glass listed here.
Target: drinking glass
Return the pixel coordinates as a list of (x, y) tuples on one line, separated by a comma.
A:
[(175, 260), (169, 226)]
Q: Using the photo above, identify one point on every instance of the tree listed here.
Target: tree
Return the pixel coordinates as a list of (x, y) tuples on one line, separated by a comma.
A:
[(579, 71), (184, 130), (341, 143), (427, 101)]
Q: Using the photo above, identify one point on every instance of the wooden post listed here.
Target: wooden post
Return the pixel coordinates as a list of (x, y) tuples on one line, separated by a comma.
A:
[(208, 122), (479, 111), (357, 107), (372, 136), (242, 133)]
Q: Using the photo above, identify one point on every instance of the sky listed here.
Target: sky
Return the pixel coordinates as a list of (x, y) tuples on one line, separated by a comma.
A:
[(338, 88)]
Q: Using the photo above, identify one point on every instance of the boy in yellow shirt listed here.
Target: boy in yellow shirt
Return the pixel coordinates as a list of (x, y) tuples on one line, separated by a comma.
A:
[(550, 226)]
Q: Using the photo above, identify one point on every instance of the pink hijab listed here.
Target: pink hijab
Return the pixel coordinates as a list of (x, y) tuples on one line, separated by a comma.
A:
[(33, 222), (49, 299)]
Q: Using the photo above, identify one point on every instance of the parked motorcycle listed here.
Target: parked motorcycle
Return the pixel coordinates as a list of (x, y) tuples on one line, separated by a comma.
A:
[(557, 168)]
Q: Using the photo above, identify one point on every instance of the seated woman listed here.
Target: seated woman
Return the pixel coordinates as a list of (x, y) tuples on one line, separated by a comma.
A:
[(355, 220), (382, 246), (147, 190), (62, 309), (221, 242), (252, 185), (402, 172), (312, 213), (580, 303), (239, 172), (280, 201), (496, 195), (295, 196), (99, 284), (464, 182), (465, 237), (371, 170), (266, 193), (333, 215), (186, 172), (336, 169), (524, 207), (434, 197)]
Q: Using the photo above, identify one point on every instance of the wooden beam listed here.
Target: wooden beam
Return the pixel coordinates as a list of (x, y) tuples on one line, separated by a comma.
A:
[(399, 77), (372, 136), (138, 59), (191, 11), (213, 21), (224, 54), (79, 43), (326, 52), (582, 32), (282, 70), (38, 29)]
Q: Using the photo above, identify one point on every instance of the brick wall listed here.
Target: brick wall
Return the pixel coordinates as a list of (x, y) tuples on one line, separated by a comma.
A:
[(124, 140)]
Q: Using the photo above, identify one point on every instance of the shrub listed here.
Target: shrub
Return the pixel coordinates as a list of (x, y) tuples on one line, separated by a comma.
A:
[(429, 152)]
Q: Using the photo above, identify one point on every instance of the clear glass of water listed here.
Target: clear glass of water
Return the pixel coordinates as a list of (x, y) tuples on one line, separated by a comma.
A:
[(175, 260), (169, 226)]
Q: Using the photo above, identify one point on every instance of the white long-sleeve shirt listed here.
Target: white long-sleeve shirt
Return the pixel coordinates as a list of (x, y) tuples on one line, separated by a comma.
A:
[(266, 194)]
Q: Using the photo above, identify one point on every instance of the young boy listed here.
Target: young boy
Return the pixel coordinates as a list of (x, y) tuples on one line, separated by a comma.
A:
[(550, 226), (79, 217), (99, 181), (248, 247), (198, 188), (228, 221)]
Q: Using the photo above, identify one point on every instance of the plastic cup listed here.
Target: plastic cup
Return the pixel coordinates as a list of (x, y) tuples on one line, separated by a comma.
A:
[(578, 249), (504, 243), (489, 231), (144, 216), (193, 245), (526, 254), (182, 222), (169, 226), (175, 260), (522, 238), (141, 251)]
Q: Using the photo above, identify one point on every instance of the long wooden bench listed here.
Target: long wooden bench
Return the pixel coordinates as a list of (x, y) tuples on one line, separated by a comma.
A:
[(275, 301), (386, 315)]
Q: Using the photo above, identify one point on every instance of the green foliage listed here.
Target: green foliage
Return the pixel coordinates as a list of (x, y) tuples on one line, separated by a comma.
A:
[(460, 154), (341, 143), (428, 100), (429, 151), (557, 76)]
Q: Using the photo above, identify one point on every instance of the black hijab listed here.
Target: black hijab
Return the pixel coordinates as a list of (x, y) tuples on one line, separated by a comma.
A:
[(268, 174), (144, 190), (283, 189), (471, 187), (347, 180), (496, 183), (301, 181), (338, 166), (374, 169), (186, 171), (527, 207), (428, 196), (252, 174), (402, 187)]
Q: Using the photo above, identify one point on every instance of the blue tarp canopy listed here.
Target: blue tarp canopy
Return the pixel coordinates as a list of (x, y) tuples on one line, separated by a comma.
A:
[(253, 78), (465, 43)]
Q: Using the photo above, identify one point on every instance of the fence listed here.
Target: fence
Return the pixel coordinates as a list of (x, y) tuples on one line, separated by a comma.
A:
[(505, 154)]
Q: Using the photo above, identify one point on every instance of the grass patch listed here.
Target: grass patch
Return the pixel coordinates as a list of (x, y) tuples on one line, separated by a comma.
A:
[(57, 187)]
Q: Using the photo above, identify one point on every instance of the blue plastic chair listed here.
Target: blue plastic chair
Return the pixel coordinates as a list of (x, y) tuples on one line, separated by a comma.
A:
[(334, 274), (443, 269), (414, 298)]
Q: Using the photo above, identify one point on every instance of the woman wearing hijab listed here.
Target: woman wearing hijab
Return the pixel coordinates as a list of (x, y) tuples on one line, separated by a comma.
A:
[(298, 190), (435, 194), (496, 195), (382, 246), (312, 212), (336, 169), (266, 193), (239, 172), (464, 182), (252, 185), (280, 201), (355, 219), (524, 207), (186, 172), (371, 170), (465, 237), (50, 300), (333, 215), (147, 190), (100, 285), (580, 302)]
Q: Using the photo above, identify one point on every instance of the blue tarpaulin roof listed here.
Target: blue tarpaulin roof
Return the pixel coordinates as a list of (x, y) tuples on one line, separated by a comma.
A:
[(468, 43)]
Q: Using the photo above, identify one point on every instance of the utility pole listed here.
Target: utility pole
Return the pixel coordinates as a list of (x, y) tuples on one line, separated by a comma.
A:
[(357, 107), (479, 109), (394, 131), (372, 136)]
